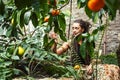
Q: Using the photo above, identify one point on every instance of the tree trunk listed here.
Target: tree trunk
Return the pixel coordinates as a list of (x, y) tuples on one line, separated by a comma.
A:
[(118, 55)]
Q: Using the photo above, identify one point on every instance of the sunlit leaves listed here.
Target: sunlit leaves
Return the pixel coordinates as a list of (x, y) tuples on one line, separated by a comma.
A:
[(27, 17), (14, 19), (62, 35), (81, 3), (88, 12), (62, 22), (20, 17)]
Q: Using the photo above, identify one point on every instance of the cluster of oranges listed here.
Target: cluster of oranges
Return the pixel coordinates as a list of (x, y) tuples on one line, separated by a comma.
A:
[(53, 12), (96, 5)]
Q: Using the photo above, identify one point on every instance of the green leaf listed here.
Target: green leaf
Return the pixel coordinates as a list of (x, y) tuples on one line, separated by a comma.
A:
[(56, 28), (50, 21), (45, 39), (73, 72), (20, 4), (62, 22), (90, 48), (42, 56), (36, 5), (95, 32), (20, 17), (20, 31), (51, 43), (88, 12), (83, 0), (16, 71), (62, 35), (14, 19), (9, 30), (79, 38), (85, 34), (95, 17), (34, 19), (83, 49), (7, 63), (81, 3), (91, 38), (15, 57), (78, 3), (112, 6), (27, 17), (2, 7), (101, 28)]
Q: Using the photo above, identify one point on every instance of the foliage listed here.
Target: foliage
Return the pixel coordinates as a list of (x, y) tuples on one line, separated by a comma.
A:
[(34, 62), (16, 19), (109, 58)]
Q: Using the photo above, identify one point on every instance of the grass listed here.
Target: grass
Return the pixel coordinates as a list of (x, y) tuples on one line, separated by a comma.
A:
[(110, 58)]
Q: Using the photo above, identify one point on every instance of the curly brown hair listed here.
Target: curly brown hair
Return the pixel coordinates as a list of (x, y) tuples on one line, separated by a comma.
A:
[(84, 24)]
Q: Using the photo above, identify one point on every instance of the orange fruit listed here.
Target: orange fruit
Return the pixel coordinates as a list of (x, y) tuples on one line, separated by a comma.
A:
[(76, 67), (46, 19), (95, 5), (55, 12)]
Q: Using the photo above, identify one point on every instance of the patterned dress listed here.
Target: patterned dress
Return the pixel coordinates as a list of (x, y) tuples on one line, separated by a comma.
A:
[(76, 55)]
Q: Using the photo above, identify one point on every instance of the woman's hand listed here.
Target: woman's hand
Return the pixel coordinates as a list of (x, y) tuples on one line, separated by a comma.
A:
[(89, 70), (53, 35)]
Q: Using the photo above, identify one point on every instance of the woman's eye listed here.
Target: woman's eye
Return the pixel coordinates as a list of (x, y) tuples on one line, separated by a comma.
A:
[(76, 27)]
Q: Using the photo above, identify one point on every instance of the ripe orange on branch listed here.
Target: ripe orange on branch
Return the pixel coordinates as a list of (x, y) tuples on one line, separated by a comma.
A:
[(46, 19), (96, 5), (55, 12)]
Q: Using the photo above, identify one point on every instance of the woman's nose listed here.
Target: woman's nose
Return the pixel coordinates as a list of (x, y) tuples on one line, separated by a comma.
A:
[(74, 30)]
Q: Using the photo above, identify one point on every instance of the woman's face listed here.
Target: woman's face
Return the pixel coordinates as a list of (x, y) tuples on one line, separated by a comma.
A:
[(76, 29)]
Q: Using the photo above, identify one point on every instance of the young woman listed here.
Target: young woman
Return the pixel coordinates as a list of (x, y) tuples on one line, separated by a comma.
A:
[(79, 27)]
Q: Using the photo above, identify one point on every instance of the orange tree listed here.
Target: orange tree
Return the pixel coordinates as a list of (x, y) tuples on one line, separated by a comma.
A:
[(45, 15)]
